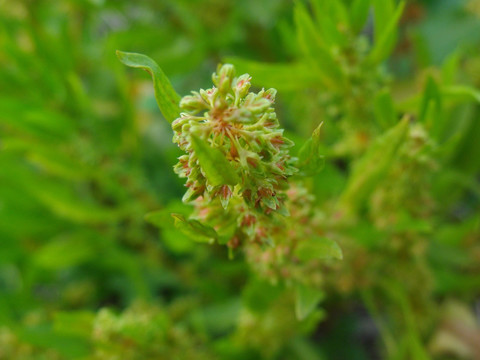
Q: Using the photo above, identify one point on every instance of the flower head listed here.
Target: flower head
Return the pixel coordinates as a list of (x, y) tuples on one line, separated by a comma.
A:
[(243, 126)]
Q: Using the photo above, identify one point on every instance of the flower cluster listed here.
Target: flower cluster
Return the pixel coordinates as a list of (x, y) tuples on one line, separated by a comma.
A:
[(243, 126)]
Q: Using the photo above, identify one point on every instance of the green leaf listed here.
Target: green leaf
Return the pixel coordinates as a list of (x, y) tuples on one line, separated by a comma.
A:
[(195, 230), (331, 18), (156, 218), (215, 165), (385, 37), (167, 98), (359, 14), (318, 248), (283, 77), (68, 204), (306, 300), (315, 50), (64, 253), (373, 166), (76, 323), (431, 108), (462, 92), (310, 162), (384, 110), (176, 242), (450, 68)]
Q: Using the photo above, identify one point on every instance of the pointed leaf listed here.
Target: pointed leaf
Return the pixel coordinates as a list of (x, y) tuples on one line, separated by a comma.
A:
[(281, 76), (431, 108), (310, 162), (314, 48), (384, 110), (306, 300), (359, 14), (462, 92), (194, 229), (215, 165), (167, 98), (318, 248), (386, 37), (371, 168)]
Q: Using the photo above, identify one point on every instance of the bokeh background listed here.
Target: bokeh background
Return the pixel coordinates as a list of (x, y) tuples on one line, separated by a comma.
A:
[(85, 154)]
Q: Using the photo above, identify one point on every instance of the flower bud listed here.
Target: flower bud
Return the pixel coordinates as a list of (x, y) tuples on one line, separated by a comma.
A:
[(224, 77), (193, 103)]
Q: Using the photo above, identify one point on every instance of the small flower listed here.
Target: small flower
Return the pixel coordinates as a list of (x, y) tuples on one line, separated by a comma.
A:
[(244, 127)]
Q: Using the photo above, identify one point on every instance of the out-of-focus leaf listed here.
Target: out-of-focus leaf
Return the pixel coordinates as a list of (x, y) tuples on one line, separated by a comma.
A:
[(314, 48), (310, 162), (450, 68), (167, 98), (359, 14), (175, 241), (335, 10), (331, 19), (215, 165), (462, 92), (44, 336), (283, 77), (382, 13), (431, 108), (195, 230), (258, 295), (318, 248), (50, 160), (306, 300), (370, 169), (385, 37), (78, 323), (64, 253), (385, 113), (67, 204), (35, 119)]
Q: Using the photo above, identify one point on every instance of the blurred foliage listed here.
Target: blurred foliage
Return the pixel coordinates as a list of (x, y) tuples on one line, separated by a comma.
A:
[(85, 155)]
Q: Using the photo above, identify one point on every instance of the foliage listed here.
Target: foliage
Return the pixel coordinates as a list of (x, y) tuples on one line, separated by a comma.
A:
[(360, 241)]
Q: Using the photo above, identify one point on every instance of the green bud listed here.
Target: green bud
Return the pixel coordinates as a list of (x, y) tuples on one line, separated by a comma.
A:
[(224, 77), (193, 103)]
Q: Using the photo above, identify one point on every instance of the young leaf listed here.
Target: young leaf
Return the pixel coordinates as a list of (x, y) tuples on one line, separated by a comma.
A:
[(462, 92), (174, 240), (194, 229), (370, 169), (450, 68), (430, 112), (382, 12), (385, 41), (315, 49), (167, 98), (216, 167), (318, 248), (306, 300), (384, 110), (359, 14), (310, 162), (281, 76), (331, 19)]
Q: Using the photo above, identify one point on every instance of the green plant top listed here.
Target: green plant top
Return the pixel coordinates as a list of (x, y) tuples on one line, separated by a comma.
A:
[(239, 129)]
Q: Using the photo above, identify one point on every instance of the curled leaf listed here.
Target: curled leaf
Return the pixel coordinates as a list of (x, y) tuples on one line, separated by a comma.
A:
[(167, 98)]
